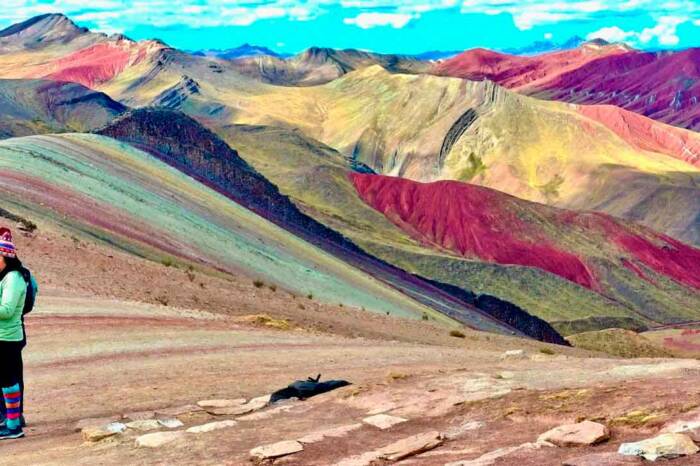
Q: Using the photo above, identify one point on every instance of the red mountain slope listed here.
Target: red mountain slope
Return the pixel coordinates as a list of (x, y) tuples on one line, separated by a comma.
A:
[(96, 64), (515, 71), (480, 223), (664, 86), (645, 133)]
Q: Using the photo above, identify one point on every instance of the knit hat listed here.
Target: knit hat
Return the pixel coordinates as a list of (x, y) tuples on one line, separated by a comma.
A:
[(7, 247)]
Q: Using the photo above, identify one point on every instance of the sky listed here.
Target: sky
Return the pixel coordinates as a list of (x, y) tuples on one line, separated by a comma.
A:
[(389, 26)]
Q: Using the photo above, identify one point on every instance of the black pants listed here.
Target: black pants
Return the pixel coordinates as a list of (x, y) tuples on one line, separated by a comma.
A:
[(11, 367)]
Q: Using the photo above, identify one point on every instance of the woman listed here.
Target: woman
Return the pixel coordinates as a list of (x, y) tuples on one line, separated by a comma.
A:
[(13, 291)]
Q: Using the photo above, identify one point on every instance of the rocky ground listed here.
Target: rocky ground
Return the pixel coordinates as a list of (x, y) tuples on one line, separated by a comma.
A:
[(122, 351), (92, 362)]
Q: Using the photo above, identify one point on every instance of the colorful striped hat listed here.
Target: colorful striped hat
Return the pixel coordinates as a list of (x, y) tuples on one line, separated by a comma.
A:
[(7, 247)]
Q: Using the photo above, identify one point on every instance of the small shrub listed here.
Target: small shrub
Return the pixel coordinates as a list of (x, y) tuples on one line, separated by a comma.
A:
[(273, 288), (310, 296), (546, 350), (425, 316), (457, 334), (168, 262), (258, 283), (162, 299)]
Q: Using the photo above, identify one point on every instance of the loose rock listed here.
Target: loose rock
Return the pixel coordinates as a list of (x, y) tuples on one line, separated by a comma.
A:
[(666, 446), (383, 421), (95, 434), (571, 435), (688, 424), (514, 354), (92, 422)]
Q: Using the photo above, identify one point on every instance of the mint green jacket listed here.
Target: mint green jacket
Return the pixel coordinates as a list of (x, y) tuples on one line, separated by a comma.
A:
[(13, 291)]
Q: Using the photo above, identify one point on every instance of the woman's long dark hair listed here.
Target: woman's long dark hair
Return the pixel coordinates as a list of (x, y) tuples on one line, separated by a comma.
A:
[(11, 264)]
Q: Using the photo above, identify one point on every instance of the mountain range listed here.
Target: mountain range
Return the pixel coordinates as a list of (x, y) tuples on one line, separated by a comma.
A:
[(541, 195)]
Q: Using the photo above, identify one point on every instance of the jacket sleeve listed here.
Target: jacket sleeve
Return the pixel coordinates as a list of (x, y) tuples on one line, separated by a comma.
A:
[(11, 295)]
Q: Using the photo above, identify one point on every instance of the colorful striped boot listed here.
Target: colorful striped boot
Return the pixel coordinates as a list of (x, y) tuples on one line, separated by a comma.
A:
[(13, 402)]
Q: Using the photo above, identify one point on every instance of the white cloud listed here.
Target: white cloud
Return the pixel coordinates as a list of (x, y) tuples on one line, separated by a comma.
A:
[(663, 33), (527, 14), (610, 34), (548, 35), (370, 20)]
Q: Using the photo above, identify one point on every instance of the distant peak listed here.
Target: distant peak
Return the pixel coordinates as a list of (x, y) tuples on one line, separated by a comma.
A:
[(597, 42), (318, 52), (55, 23)]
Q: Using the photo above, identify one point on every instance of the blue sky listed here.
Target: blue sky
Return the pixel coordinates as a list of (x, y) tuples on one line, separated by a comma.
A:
[(381, 25)]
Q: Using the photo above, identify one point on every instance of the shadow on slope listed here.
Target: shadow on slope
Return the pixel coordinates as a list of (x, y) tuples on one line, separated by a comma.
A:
[(185, 144)]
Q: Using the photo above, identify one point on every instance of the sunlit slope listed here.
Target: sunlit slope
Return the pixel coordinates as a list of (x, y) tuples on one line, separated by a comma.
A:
[(126, 197), (315, 177), (428, 128), (648, 272)]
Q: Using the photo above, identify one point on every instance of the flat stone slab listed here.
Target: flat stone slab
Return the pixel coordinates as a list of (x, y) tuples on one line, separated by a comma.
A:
[(396, 451), (93, 422), (221, 403), (158, 439), (410, 446), (237, 410), (383, 421), (144, 425), (211, 426), (572, 435), (170, 423), (491, 457), (140, 415), (97, 433), (153, 424), (665, 446), (276, 450), (603, 459), (335, 432), (179, 411)]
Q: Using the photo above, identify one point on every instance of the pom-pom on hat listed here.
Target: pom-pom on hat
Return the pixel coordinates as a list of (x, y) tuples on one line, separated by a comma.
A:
[(7, 247)]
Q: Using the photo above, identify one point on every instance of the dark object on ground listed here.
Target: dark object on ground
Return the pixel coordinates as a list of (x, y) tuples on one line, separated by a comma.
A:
[(307, 388)]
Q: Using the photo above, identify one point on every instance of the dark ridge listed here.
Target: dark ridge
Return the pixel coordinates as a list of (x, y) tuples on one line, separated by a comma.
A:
[(175, 96), (506, 312), (458, 128), (188, 146)]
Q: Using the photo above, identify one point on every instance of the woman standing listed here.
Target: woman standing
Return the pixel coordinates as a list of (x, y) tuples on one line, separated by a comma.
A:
[(13, 292)]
